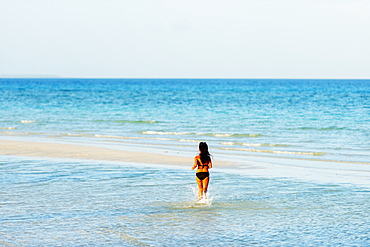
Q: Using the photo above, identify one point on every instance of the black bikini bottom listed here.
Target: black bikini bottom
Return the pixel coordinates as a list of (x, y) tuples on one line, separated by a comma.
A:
[(202, 175)]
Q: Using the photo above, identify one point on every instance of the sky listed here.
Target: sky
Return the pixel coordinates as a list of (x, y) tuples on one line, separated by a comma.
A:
[(315, 39)]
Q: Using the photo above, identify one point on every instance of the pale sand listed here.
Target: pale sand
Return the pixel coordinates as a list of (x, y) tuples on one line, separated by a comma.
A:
[(58, 150), (330, 172)]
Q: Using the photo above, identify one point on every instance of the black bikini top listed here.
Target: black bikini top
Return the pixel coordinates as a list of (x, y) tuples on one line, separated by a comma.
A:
[(201, 164)]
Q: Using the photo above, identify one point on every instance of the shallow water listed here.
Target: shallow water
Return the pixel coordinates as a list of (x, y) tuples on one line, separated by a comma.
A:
[(53, 202)]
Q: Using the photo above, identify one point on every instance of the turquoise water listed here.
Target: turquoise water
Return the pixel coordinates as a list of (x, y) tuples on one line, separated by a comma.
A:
[(56, 202), (308, 119), (49, 202)]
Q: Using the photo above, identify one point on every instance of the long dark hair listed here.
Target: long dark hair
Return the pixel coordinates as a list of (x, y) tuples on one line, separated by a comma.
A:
[(205, 156)]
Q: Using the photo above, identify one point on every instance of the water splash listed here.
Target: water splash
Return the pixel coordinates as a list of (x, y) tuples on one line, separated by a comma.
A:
[(198, 202)]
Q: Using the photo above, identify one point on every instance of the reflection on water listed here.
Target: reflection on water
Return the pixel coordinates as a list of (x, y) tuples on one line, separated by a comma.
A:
[(72, 203)]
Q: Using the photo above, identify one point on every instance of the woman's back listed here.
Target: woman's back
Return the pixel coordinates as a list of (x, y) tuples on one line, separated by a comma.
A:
[(203, 166)]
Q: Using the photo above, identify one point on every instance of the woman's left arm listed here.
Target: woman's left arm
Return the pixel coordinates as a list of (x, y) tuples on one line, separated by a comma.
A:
[(195, 163)]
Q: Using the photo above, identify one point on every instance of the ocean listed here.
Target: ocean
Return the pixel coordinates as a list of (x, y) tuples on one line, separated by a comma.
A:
[(308, 119), (60, 202)]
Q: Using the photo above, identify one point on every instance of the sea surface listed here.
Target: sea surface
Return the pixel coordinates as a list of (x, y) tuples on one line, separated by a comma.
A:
[(66, 202), (50, 202), (303, 119)]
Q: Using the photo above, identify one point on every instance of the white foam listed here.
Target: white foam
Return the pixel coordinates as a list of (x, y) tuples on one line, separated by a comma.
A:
[(228, 143), (274, 151), (151, 132), (252, 144), (222, 135), (205, 201), (185, 140)]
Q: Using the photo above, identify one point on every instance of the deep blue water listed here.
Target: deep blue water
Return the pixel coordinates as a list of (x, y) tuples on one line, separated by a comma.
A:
[(314, 119)]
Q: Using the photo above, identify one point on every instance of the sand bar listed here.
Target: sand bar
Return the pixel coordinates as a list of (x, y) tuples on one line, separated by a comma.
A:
[(318, 171), (59, 150)]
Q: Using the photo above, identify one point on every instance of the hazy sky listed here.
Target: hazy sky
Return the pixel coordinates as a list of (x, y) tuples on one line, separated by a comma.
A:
[(186, 38)]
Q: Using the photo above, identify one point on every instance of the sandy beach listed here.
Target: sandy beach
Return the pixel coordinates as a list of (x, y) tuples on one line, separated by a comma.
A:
[(58, 150), (320, 171)]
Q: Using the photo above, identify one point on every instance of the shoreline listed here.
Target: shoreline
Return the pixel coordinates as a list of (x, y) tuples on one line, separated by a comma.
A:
[(86, 152), (319, 171)]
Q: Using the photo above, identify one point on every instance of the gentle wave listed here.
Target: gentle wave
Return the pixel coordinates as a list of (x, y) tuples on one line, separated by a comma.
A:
[(274, 152), (27, 121), (253, 144), (152, 132), (8, 128), (13, 133), (234, 135), (116, 137), (318, 129), (132, 137), (186, 140), (145, 138), (331, 128), (128, 121), (93, 136)]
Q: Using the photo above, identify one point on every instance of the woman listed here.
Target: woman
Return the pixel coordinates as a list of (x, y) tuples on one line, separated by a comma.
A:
[(203, 162)]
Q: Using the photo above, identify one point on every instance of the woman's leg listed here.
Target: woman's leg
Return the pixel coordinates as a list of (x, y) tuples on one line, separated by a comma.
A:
[(200, 188), (205, 183)]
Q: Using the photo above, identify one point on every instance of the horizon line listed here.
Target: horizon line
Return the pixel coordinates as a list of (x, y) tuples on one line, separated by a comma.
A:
[(173, 78)]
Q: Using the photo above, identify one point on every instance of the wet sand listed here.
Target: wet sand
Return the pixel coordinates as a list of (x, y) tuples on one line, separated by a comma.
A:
[(320, 171), (58, 150)]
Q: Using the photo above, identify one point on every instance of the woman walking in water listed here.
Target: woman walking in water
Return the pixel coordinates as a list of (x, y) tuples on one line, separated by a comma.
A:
[(203, 162)]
